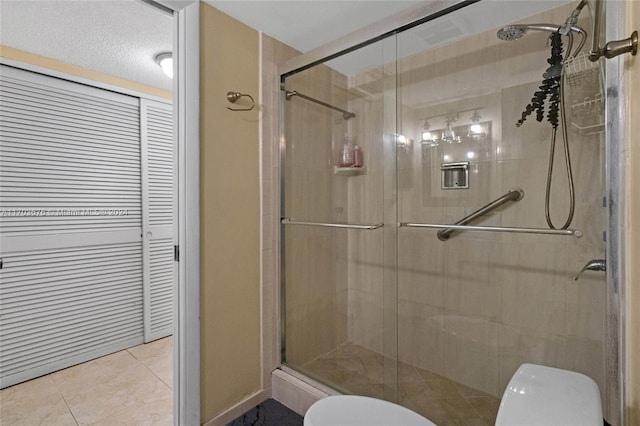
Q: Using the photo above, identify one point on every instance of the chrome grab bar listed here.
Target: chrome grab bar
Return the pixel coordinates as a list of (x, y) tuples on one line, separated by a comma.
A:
[(287, 221), (569, 232), (515, 194), (291, 93)]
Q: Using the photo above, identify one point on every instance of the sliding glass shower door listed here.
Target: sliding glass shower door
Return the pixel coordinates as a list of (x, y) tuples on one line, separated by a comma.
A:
[(430, 261), (339, 223)]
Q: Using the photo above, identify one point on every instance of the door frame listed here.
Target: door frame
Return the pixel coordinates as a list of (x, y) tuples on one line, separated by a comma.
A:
[(186, 124), (186, 115)]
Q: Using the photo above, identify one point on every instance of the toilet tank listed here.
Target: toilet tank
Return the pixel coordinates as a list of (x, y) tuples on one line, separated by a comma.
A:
[(539, 395)]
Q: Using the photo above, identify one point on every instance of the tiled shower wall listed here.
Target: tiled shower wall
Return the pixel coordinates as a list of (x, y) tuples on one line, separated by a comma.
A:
[(477, 306)]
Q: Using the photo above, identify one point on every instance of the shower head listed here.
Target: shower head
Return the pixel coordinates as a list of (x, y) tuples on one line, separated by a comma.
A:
[(514, 32)]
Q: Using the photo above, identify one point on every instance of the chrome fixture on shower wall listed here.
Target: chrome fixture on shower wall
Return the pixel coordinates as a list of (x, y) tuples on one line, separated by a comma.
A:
[(345, 114), (610, 49), (593, 265)]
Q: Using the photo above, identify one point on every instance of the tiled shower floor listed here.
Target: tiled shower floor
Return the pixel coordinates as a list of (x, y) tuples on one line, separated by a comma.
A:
[(443, 401), (130, 387)]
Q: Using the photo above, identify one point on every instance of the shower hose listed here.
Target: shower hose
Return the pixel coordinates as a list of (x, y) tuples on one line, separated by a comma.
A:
[(567, 155)]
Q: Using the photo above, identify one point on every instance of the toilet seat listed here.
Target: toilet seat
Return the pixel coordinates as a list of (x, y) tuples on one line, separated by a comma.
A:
[(352, 410)]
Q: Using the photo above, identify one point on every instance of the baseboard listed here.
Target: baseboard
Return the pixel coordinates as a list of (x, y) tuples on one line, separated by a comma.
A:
[(294, 393), (240, 408)]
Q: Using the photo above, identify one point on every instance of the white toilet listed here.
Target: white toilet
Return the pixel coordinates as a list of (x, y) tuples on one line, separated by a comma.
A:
[(351, 410), (535, 396), (539, 395)]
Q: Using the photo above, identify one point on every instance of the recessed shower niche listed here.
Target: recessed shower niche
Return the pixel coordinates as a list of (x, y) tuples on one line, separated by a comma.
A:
[(374, 303), (455, 175)]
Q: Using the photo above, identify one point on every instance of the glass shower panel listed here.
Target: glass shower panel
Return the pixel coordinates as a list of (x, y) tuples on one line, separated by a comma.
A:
[(340, 227), (474, 307)]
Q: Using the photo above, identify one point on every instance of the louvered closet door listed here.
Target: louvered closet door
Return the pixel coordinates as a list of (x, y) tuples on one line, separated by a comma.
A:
[(70, 224), (157, 212)]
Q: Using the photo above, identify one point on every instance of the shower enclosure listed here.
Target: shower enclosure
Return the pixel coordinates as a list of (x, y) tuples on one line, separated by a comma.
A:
[(379, 296)]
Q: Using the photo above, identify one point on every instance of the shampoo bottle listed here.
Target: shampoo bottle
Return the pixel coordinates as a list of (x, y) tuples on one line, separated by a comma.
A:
[(346, 159), (358, 160)]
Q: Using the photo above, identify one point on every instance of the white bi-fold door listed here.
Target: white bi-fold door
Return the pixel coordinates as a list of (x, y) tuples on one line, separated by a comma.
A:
[(157, 218), (84, 174)]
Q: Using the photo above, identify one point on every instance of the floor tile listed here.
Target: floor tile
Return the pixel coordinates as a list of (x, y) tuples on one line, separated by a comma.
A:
[(157, 356), (444, 389), (155, 413), (80, 377), (361, 371), (123, 389), (36, 402), (130, 387), (351, 364), (486, 406)]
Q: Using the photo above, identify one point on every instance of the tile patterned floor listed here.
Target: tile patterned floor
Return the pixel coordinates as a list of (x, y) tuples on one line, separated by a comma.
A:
[(130, 387), (443, 401)]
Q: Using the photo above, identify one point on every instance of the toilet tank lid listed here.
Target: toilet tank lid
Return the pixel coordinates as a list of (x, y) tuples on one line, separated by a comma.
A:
[(540, 395)]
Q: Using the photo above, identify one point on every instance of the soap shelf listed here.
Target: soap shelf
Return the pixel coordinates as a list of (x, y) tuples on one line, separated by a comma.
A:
[(349, 171)]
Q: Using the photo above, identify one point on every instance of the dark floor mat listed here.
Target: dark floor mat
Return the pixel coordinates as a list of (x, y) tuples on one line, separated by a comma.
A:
[(269, 413)]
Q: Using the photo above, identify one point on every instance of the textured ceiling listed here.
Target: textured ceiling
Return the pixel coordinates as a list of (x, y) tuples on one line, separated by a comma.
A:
[(121, 37), (117, 37)]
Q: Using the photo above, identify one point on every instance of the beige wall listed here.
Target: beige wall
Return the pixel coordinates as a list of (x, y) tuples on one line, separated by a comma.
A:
[(55, 65), (230, 222), (632, 378)]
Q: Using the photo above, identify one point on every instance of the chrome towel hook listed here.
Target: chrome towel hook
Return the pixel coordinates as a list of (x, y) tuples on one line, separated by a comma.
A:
[(234, 96)]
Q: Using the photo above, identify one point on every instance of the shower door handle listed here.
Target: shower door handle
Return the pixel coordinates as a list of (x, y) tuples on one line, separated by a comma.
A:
[(287, 221)]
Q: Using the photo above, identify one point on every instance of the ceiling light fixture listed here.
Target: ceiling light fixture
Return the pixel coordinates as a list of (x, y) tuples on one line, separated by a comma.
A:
[(428, 138), (449, 134), (165, 60), (475, 126), (475, 129)]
